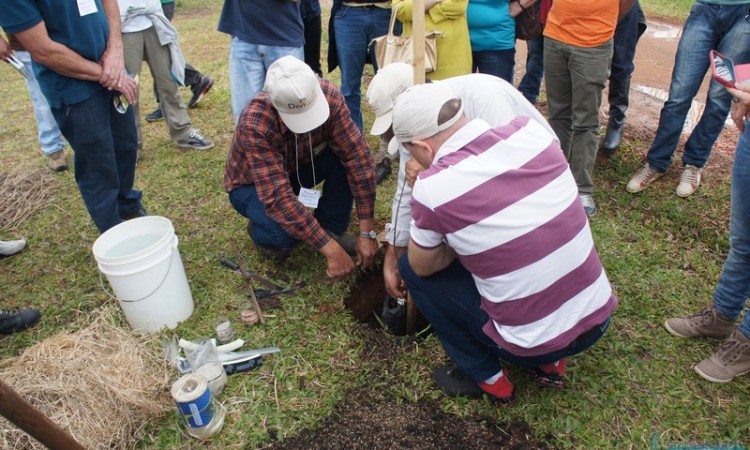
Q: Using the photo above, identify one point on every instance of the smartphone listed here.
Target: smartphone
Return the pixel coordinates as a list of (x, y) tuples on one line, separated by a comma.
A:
[(727, 72), (722, 68)]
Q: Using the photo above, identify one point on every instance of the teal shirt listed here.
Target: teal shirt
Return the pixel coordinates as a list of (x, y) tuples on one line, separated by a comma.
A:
[(491, 27), (86, 35)]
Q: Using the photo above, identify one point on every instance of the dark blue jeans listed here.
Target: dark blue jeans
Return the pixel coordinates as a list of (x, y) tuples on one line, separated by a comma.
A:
[(499, 63), (708, 27), (105, 146), (333, 212), (355, 27), (450, 301), (532, 79), (625, 39)]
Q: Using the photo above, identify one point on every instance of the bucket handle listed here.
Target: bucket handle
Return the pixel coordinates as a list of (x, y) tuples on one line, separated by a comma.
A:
[(169, 269)]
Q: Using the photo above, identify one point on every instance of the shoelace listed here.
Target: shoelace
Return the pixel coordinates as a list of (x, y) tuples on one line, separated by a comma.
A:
[(7, 312), (703, 317), (587, 201), (647, 173), (195, 134), (730, 350), (690, 175)]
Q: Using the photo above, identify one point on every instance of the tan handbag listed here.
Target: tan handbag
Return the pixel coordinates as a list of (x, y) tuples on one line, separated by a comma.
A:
[(389, 48)]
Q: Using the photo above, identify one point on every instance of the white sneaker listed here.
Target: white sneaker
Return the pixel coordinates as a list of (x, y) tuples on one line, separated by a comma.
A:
[(8, 248), (689, 180), (645, 176)]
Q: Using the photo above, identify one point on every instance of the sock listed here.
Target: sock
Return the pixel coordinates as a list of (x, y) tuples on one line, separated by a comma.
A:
[(493, 379)]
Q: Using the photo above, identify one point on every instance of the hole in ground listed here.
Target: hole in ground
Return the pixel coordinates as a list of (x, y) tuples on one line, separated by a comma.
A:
[(366, 303)]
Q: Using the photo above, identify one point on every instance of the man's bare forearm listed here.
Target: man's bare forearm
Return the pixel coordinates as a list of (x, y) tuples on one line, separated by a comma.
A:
[(57, 57), (425, 262), (115, 29)]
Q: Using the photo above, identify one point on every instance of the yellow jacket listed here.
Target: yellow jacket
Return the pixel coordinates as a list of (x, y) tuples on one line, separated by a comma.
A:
[(454, 46)]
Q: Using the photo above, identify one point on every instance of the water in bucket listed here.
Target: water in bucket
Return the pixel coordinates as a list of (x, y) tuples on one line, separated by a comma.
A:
[(142, 263)]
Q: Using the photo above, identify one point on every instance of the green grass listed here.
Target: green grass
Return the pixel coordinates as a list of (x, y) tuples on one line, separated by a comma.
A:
[(673, 9), (663, 255)]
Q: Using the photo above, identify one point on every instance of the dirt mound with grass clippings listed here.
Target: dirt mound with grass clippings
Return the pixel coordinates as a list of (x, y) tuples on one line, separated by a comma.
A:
[(371, 420), (365, 423)]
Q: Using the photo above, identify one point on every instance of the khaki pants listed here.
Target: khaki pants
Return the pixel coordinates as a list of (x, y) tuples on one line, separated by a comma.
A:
[(144, 46)]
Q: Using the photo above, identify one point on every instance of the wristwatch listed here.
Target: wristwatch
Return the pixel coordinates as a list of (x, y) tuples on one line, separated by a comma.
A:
[(368, 234)]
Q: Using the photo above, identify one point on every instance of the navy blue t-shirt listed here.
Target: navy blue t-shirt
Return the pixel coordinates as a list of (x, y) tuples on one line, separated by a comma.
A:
[(276, 23), (86, 35)]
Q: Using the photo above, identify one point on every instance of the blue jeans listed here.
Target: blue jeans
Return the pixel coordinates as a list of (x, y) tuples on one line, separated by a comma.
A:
[(625, 40), (450, 301), (333, 212), (532, 79), (248, 64), (708, 27), (50, 137), (354, 28), (105, 146), (733, 289), (499, 63)]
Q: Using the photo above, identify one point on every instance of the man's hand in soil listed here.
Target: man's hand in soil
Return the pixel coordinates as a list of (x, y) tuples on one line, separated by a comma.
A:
[(740, 104), (366, 249), (340, 265), (394, 284)]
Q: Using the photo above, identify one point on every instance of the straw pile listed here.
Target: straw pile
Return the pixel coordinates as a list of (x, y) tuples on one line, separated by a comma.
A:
[(22, 194), (102, 384)]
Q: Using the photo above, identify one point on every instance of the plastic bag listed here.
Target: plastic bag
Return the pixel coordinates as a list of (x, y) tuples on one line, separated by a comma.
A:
[(394, 315)]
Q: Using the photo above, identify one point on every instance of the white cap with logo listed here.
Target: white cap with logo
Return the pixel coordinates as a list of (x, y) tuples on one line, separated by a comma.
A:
[(386, 85), (295, 92), (416, 112)]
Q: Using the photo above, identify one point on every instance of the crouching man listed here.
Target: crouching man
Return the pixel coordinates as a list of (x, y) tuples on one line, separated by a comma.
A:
[(288, 140), (500, 259)]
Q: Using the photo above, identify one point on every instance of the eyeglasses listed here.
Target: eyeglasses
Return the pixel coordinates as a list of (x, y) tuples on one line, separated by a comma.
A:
[(120, 102)]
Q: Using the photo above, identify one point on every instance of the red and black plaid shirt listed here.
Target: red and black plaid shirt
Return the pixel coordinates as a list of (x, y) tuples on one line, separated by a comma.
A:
[(263, 154)]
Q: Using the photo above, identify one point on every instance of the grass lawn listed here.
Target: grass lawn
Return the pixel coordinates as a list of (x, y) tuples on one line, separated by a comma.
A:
[(635, 387)]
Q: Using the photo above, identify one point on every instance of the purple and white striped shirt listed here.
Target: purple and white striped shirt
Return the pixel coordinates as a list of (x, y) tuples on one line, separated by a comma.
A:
[(505, 200)]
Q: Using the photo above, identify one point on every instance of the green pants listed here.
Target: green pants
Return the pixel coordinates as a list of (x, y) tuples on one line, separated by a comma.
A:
[(575, 78)]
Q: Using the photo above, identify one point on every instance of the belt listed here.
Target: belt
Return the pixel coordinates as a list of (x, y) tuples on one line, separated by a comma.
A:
[(366, 5)]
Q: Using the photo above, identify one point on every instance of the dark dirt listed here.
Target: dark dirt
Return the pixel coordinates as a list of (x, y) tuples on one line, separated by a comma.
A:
[(365, 420)]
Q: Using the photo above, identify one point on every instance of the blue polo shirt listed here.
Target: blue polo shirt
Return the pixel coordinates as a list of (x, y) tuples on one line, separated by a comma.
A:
[(262, 22), (86, 35)]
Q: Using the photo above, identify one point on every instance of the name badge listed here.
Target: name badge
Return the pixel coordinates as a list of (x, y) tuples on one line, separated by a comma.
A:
[(86, 7), (309, 197)]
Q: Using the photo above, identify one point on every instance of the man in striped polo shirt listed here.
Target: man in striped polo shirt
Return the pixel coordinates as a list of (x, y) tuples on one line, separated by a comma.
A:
[(500, 260)]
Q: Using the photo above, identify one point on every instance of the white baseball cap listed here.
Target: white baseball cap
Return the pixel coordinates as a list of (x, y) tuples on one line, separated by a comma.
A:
[(416, 111), (386, 85), (296, 94)]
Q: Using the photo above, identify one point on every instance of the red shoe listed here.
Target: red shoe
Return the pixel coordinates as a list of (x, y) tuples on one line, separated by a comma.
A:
[(551, 375), (501, 391)]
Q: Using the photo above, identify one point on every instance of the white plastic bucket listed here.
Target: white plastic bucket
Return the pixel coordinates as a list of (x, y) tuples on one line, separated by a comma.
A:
[(142, 263)]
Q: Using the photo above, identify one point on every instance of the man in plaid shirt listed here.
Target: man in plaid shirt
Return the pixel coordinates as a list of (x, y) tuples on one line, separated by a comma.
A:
[(289, 139)]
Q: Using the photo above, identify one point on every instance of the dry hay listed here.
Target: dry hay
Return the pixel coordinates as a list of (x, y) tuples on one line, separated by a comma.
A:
[(22, 194), (102, 384)]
